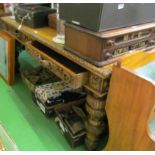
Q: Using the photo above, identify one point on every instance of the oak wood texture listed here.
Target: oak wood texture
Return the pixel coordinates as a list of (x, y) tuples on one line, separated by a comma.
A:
[(83, 43), (117, 32), (11, 57), (1, 6), (52, 20), (45, 35), (99, 50), (130, 105)]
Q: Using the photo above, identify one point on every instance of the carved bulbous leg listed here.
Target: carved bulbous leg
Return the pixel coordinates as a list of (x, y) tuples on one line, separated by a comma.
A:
[(94, 124)]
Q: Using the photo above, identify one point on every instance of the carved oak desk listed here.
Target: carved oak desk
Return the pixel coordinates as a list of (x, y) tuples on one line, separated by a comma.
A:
[(68, 67)]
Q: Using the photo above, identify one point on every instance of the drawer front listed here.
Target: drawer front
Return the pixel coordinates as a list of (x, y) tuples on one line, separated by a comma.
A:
[(130, 37), (97, 47), (76, 80), (121, 44)]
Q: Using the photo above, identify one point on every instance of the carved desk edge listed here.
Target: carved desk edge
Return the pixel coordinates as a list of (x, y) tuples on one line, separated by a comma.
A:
[(93, 83), (102, 72)]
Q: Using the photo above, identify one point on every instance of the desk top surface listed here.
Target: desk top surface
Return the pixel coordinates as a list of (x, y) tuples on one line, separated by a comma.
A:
[(45, 36)]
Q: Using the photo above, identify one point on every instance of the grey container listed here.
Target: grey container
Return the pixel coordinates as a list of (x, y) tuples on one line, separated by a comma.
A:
[(106, 16)]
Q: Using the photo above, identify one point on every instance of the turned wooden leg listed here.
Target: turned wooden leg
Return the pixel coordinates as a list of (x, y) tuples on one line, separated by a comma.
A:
[(18, 48), (95, 124)]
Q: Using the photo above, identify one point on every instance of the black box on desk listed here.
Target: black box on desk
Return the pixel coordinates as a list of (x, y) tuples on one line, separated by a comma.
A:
[(35, 16), (107, 16)]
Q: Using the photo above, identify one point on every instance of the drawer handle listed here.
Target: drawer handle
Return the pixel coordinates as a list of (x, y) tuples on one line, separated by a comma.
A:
[(66, 77), (111, 42), (45, 63), (16, 32)]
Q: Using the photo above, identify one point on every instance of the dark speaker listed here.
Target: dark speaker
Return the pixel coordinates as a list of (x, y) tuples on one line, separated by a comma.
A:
[(107, 16)]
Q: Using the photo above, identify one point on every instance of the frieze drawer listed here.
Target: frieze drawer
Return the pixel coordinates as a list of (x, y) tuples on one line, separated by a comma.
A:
[(59, 65)]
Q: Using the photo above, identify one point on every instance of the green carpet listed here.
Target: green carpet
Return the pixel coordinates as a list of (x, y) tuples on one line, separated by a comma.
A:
[(24, 121)]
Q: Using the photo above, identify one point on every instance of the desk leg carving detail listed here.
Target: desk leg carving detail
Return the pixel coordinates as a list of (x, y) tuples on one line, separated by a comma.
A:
[(94, 125)]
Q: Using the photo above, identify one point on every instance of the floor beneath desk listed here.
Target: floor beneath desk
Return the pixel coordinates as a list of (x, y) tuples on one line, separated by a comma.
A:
[(24, 121)]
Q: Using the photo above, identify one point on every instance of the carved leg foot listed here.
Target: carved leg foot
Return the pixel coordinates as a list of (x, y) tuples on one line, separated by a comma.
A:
[(95, 124)]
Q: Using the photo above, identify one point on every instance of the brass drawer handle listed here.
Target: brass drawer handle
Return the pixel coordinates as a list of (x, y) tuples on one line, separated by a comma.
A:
[(66, 77)]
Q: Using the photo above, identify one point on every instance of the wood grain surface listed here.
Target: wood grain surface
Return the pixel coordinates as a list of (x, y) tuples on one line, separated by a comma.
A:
[(130, 105), (11, 57), (45, 35), (116, 32)]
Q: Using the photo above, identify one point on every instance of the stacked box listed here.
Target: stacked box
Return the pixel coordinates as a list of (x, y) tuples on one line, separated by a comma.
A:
[(70, 119), (50, 96), (37, 77)]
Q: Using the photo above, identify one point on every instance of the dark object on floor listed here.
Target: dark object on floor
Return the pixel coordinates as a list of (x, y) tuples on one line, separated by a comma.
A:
[(48, 111), (32, 15), (65, 97), (71, 123)]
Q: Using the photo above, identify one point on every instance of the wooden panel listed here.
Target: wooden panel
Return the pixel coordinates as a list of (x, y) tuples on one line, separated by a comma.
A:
[(129, 104), (83, 42), (119, 31), (97, 49), (8, 51), (63, 68)]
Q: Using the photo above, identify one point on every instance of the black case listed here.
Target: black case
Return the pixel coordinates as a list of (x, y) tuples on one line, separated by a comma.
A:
[(38, 15), (106, 16), (48, 111), (73, 139)]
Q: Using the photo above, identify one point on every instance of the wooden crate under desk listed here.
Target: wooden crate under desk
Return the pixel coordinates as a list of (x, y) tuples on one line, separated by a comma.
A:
[(60, 66)]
